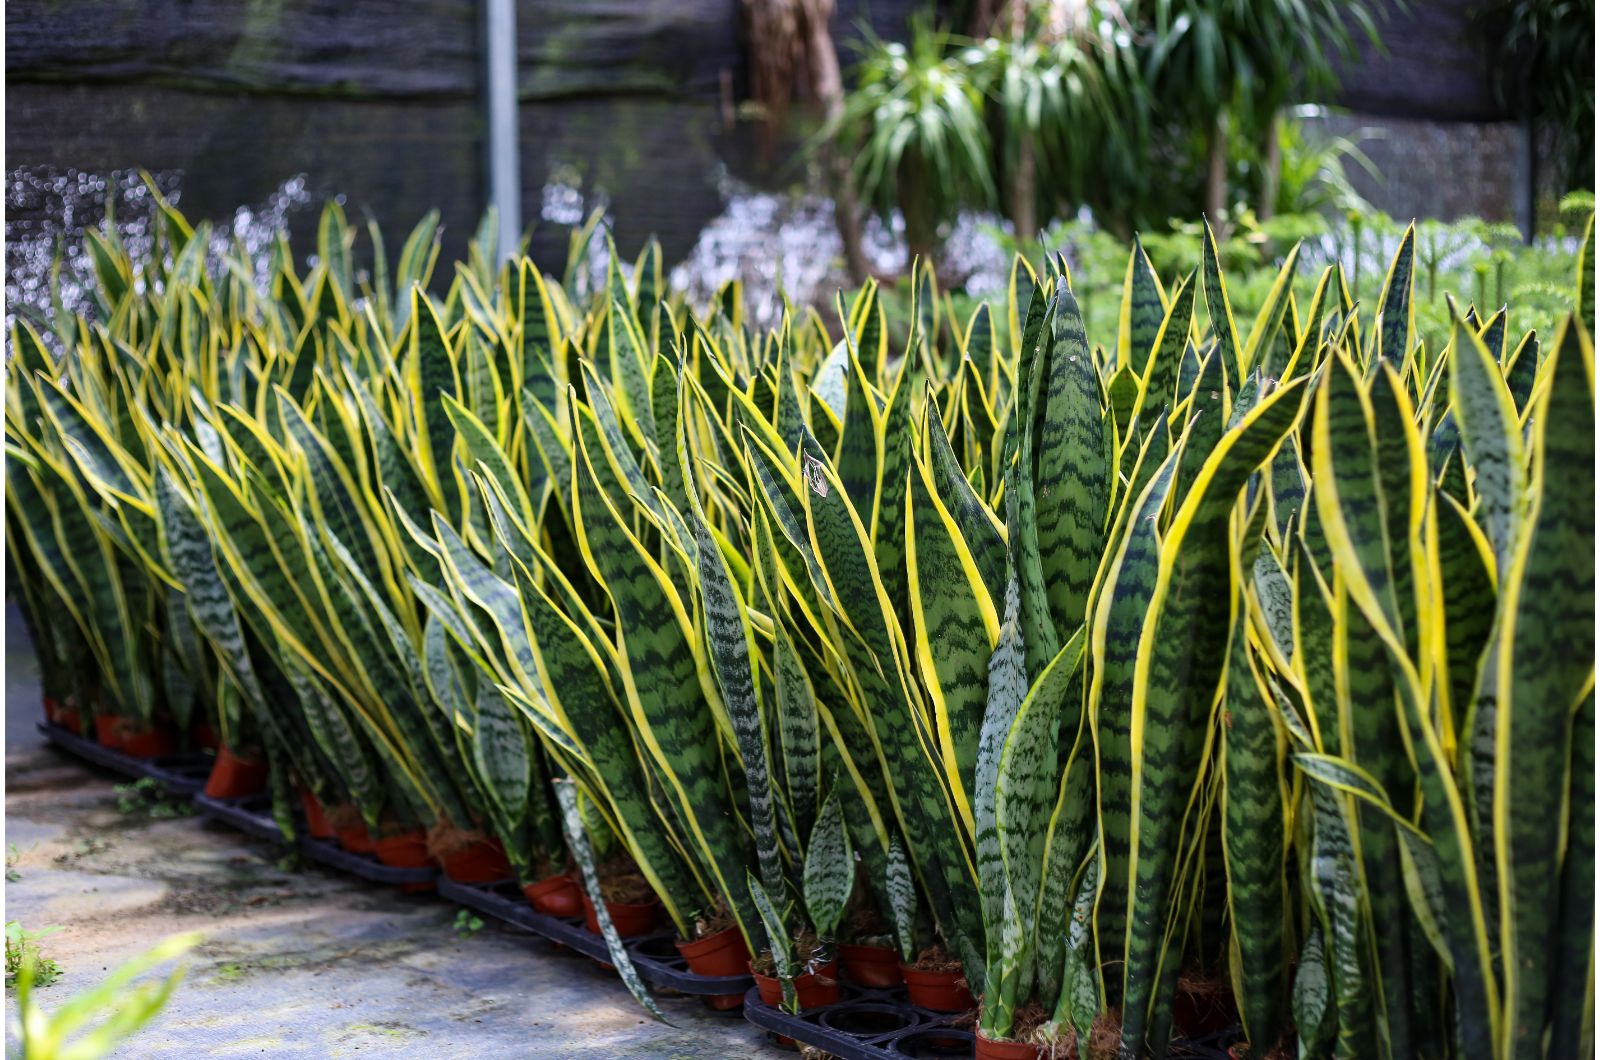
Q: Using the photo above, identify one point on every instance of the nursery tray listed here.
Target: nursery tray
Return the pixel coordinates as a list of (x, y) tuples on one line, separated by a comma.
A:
[(182, 774), (363, 865), (871, 1024), (655, 955), (252, 815)]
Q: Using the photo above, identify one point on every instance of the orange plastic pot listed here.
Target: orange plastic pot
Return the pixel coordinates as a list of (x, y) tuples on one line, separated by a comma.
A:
[(205, 736), (480, 861), (812, 990), (408, 850), (144, 742), (555, 896), (873, 966), (986, 1049), (629, 918), (723, 953), (356, 839), (316, 819), (937, 991), (108, 731), (233, 777)]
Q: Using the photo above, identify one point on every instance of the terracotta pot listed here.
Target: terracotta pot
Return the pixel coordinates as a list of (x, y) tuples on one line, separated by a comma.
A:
[(316, 819), (985, 1049), (70, 719), (52, 710), (108, 731), (480, 861), (814, 989), (555, 896), (723, 953), (629, 918), (408, 850), (145, 742), (938, 991), (873, 966), (233, 777), (205, 736), (356, 839)]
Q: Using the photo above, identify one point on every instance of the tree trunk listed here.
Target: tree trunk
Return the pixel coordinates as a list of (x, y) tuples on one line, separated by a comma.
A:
[(828, 84), (921, 229), (1271, 169), (1217, 172), (1025, 193)]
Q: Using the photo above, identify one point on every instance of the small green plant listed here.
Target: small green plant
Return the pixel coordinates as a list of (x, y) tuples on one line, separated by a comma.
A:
[(149, 798), (467, 923), (92, 1023), (12, 856), (22, 949)]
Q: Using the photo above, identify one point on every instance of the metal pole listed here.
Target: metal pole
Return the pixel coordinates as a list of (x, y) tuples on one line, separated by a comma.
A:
[(505, 169)]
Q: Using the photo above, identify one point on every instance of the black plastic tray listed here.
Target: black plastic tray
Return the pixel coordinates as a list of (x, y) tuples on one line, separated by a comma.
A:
[(364, 865), (655, 955), (871, 1024), (184, 773), (253, 816)]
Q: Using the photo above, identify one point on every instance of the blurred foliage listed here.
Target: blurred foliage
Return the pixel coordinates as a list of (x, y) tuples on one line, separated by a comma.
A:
[(1543, 54), (1106, 104), (96, 1021), (1479, 264)]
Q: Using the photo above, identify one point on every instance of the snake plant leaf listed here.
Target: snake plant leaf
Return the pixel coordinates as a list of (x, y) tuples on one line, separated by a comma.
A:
[(1113, 638), (1487, 418), (1219, 310), (1254, 817), (1544, 670), (1312, 1000), (1585, 295), (829, 869), (583, 854), (1396, 329), (631, 361), (1571, 1011), (778, 942), (1336, 894), (979, 344), (1144, 304), (902, 893), (955, 630), (430, 372), (573, 681), (1080, 998), (1073, 480), (673, 719), (1158, 388), (1353, 531), (484, 451), (1023, 790), (859, 460), (1269, 320), (1175, 680), (979, 528), (730, 641), (502, 754)]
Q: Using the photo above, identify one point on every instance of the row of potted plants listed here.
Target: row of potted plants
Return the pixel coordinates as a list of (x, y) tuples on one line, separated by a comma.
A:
[(1095, 687)]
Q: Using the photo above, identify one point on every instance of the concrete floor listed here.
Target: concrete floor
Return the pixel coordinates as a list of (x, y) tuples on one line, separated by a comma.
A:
[(297, 961)]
